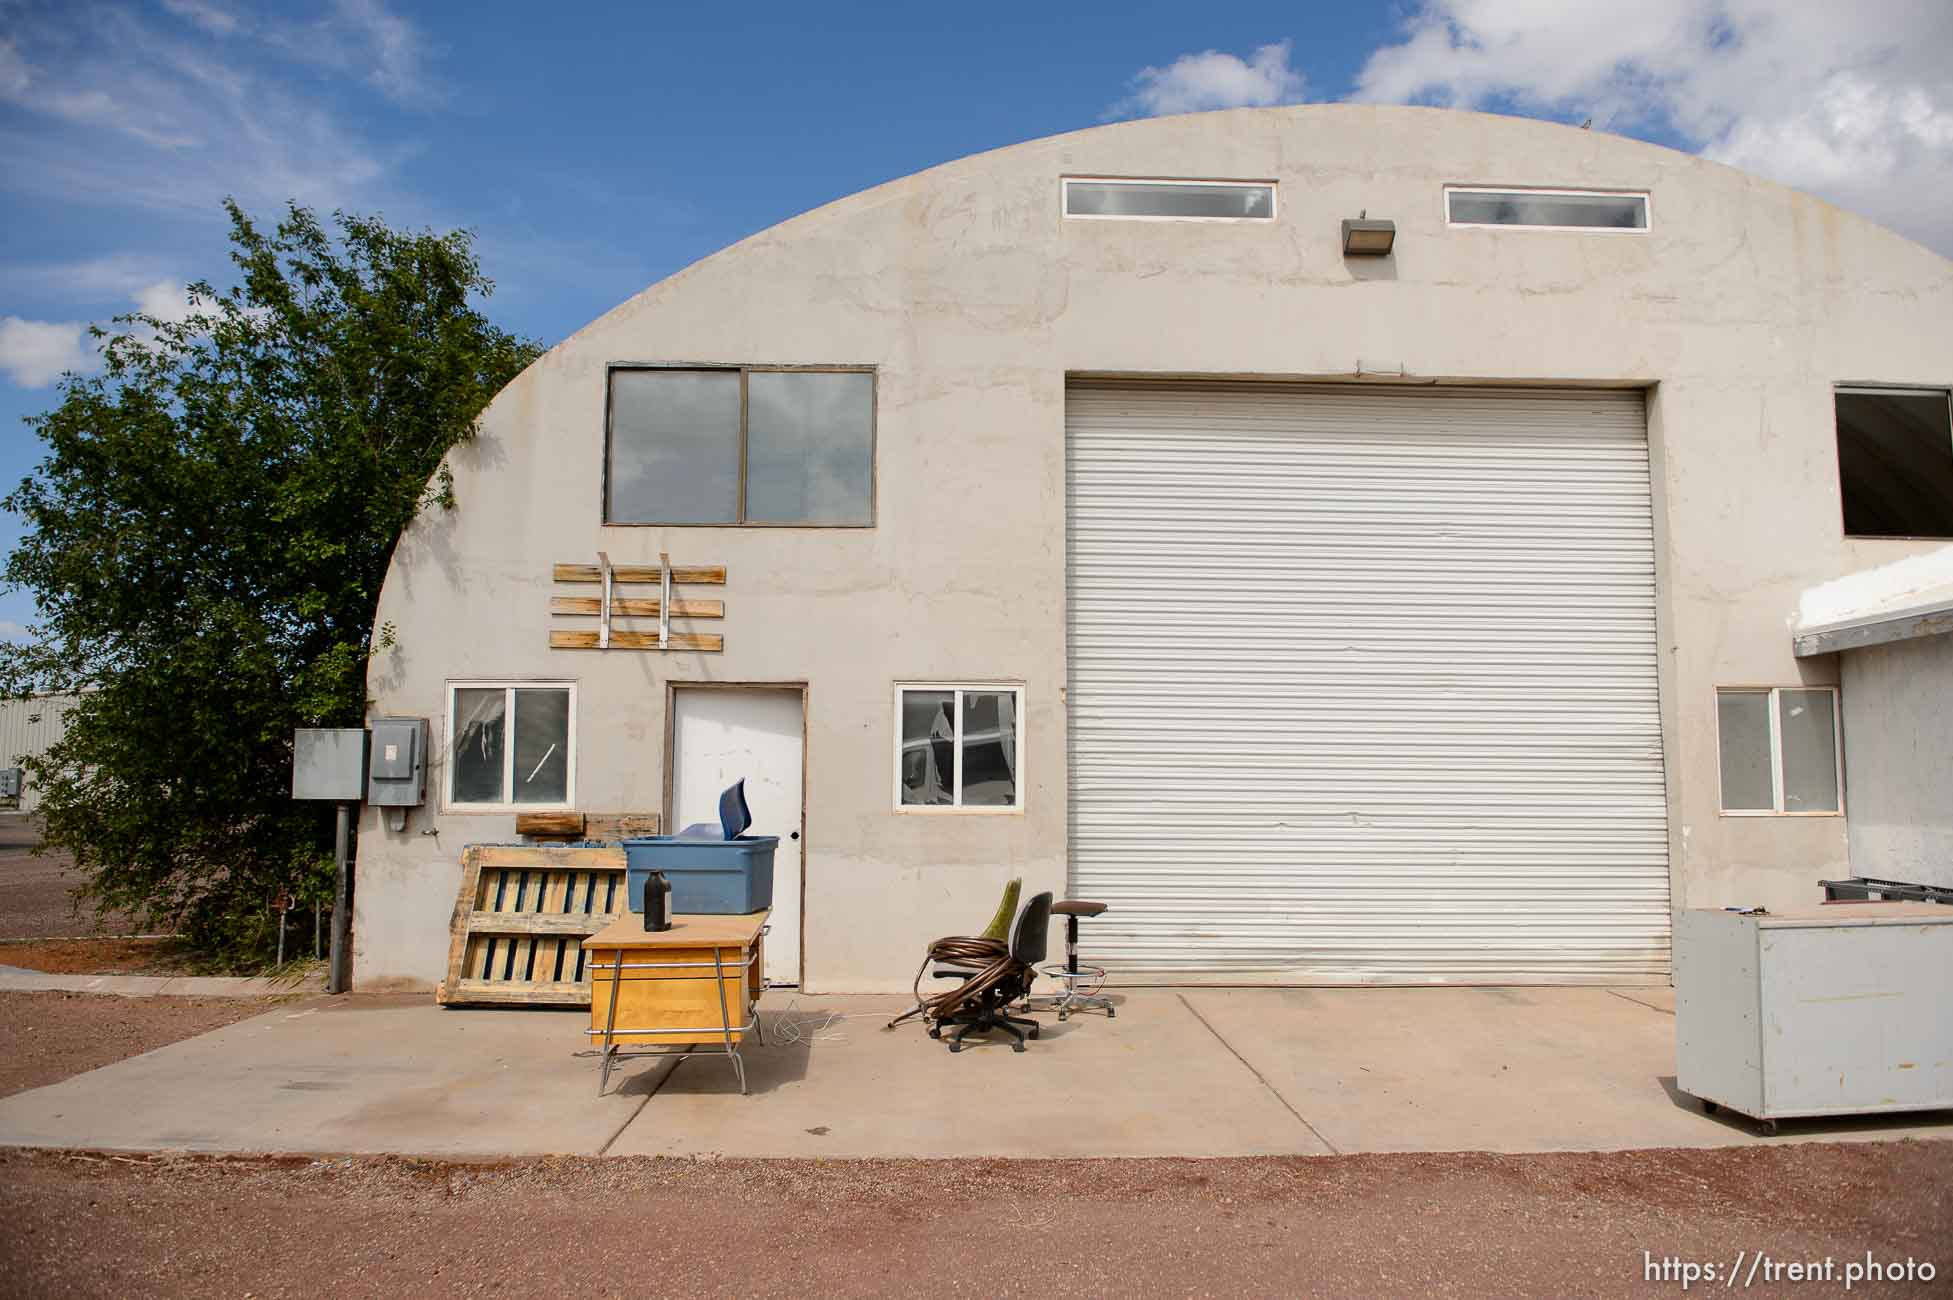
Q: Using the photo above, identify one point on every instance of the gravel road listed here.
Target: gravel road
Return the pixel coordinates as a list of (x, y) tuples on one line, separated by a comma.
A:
[(35, 890), (1443, 1225)]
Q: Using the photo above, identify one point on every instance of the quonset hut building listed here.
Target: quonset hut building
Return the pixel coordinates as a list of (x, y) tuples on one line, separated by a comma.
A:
[(1107, 510)]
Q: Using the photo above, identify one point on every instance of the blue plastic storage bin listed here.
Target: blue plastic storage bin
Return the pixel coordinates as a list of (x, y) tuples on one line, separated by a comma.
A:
[(716, 877)]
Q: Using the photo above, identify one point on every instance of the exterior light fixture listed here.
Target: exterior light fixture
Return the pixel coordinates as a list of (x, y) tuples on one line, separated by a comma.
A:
[(1363, 237)]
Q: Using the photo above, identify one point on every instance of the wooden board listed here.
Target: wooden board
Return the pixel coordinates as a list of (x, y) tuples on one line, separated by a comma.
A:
[(609, 827), (520, 921), (708, 576), (708, 641), (626, 607)]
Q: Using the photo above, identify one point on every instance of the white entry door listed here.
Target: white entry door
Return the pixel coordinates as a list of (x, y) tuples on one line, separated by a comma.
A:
[(720, 736)]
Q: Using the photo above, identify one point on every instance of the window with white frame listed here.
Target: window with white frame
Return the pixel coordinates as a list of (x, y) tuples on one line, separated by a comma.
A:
[(1466, 205), (1778, 749), (957, 747), (511, 745), (1161, 200)]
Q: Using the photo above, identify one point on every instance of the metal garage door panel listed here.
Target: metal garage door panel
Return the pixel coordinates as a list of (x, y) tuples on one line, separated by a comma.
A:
[(1362, 684)]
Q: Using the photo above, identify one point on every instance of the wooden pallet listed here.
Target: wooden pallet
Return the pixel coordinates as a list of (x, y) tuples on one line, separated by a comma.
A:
[(610, 606), (520, 920)]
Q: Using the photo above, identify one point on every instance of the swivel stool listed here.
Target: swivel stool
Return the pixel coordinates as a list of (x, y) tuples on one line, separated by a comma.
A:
[(1079, 985)]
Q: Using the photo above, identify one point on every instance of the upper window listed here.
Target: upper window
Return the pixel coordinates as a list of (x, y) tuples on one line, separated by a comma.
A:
[(1778, 749), (1170, 200), (956, 747), (1546, 209), (1895, 461), (740, 446), (511, 746)]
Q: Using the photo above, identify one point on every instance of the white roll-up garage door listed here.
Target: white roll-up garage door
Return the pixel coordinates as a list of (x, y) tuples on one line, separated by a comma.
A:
[(1362, 684)]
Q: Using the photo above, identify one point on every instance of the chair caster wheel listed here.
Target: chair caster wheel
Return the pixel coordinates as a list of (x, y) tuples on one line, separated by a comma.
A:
[(935, 1032), (1034, 1034), (955, 1047), (1110, 1014), (1064, 1015), (1017, 1047)]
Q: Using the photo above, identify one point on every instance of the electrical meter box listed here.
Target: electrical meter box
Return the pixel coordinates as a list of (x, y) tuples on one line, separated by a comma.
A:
[(398, 775), (9, 783), (329, 763)]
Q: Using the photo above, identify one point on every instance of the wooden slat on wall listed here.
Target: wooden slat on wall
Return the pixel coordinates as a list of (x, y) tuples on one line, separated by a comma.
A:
[(520, 919), (627, 607), (713, 576), (636, 641)]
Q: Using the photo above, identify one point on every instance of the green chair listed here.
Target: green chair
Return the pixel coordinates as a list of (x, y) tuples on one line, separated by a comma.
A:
[(999, 927)]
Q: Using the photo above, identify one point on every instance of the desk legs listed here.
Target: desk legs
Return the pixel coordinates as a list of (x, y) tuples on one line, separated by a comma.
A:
[(610, 1022), (725, 1013)]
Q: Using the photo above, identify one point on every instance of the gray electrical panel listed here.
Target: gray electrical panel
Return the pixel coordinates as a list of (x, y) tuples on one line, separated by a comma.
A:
[(329, 763), (9, 783), (398, 776)]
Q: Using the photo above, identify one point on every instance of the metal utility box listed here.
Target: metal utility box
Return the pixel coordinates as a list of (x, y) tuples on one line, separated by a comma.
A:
[(329, 763), (399, 770), (1838, 1010), (10, 782)]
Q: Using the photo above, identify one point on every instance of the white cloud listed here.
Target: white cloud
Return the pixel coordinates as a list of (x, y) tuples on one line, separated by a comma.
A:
[(166, 300), (134, 112), (364, 38), (35, 353), (1210, 79), (1852, 102), (214, 19), (13, 631), (22, 84)]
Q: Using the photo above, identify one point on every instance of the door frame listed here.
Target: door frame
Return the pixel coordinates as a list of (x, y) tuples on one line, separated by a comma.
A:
[(671, 766)]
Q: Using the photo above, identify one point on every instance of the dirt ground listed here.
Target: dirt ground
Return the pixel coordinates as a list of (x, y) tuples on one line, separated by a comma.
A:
[(96, 956), (35, 891), (47, 1037), (1449, 1225)]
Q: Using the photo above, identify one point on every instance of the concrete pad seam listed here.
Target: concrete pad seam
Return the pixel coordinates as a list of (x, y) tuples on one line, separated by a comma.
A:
[(1639, 1003), (630, 1119), (1333, 1149)]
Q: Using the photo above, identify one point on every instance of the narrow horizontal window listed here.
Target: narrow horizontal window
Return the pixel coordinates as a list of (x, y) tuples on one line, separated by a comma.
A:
[(1170, 200), (740, 446), (1895, 462), (1777, 749), (512, 746), (957, 747), (1546, 209)]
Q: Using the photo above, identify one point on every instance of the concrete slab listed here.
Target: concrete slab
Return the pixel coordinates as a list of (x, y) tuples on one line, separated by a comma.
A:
[(357, 1075), (1196, 1072), (1152, 1082), (1493, 1069)]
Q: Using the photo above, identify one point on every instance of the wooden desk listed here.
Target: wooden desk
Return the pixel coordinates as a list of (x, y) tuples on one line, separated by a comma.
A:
[(694, 987)]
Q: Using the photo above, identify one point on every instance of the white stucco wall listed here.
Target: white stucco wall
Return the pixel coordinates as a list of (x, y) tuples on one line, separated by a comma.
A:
[(972, 296)]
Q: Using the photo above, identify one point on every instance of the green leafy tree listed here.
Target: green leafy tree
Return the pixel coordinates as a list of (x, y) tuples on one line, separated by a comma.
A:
[(205, 542)]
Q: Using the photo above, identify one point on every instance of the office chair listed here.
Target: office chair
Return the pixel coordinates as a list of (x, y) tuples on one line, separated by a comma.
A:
[(981, 1002)]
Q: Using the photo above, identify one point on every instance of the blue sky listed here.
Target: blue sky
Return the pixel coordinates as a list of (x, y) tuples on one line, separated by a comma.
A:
[(598, 148)]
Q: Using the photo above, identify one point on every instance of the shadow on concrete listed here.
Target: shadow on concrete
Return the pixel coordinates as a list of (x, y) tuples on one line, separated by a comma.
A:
[(1818, 1126), (791, 1041)]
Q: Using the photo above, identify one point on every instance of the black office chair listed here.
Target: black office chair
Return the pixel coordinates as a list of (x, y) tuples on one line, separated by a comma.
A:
[(981, 1002)]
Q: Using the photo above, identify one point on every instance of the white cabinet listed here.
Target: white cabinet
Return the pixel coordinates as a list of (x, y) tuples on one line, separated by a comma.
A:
[(1840, 1010)]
